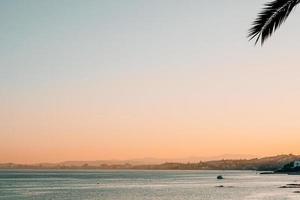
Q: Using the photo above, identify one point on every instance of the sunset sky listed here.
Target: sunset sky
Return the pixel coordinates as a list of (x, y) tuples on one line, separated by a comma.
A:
[(95, 80)]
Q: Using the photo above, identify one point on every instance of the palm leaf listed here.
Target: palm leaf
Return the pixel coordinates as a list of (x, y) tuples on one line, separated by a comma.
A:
[(272, 16)]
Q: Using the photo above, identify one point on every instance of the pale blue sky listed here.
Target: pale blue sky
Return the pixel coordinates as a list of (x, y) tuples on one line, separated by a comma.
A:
[(47, 41), (116, 59)]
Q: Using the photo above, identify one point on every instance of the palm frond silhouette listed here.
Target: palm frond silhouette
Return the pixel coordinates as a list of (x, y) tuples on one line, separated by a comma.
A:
[(270, 18)]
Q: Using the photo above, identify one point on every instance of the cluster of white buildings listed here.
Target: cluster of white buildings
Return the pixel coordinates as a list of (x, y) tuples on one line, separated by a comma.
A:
[(297, 163)]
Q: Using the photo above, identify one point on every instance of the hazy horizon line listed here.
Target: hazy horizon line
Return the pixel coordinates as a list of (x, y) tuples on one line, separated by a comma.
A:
[(152, 160)]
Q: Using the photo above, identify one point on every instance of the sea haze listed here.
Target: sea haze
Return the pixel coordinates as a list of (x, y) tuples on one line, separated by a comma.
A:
[(155, 161)]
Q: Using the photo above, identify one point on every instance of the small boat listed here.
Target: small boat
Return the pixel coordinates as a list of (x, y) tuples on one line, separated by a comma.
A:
[(220, 177)]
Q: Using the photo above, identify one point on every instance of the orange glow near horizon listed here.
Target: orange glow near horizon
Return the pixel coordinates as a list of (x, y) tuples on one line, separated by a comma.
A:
[(178, 128), (100, 80)]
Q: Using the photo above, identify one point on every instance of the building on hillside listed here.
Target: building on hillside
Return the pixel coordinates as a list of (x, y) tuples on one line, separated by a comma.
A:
[(296, 163)]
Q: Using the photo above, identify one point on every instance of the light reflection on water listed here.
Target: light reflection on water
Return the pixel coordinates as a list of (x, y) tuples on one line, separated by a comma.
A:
[(148, 185)]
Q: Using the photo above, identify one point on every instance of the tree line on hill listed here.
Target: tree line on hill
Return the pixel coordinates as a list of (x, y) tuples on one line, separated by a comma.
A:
[(260, 164)]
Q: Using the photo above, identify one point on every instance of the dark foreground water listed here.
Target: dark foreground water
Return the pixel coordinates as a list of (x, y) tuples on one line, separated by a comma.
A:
[(144, 185)]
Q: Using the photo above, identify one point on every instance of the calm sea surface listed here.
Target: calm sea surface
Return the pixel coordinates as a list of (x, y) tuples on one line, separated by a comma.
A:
[(144, 185)]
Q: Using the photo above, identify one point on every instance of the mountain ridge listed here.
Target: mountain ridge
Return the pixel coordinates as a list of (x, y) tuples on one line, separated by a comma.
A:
[(271, 163)]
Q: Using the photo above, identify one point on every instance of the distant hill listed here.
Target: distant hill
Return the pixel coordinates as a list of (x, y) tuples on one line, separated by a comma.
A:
[(157, 161), (262, 164)]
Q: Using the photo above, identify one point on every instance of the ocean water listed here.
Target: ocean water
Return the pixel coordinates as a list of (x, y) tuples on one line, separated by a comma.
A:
[(144, 185)]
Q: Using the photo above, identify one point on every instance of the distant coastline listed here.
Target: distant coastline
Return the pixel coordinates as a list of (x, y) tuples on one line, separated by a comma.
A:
[(259, 164)]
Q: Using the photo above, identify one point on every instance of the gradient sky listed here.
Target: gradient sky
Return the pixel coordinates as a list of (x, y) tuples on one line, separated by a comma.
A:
[(93, 80)]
